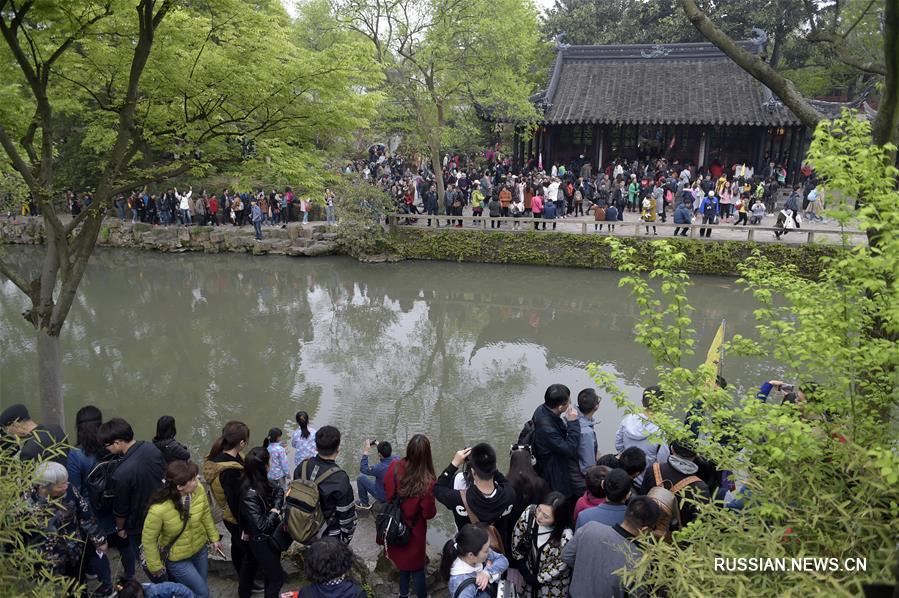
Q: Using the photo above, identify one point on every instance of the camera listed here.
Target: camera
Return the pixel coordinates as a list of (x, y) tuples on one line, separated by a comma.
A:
[(373, 443), (787, 388)]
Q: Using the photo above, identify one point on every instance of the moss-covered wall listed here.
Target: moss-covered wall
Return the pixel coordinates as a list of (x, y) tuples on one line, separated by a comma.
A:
[(589, 251)]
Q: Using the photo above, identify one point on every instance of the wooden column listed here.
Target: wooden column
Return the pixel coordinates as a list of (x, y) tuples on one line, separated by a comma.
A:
[(602, 148)]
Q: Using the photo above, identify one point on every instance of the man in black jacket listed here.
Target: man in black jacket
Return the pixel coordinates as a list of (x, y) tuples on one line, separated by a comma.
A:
[(38, 441), (556, 441), (137, 477), (338, 501), (481, 491)]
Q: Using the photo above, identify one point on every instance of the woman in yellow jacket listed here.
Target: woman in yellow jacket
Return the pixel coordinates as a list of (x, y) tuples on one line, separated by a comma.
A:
[(179, 523)]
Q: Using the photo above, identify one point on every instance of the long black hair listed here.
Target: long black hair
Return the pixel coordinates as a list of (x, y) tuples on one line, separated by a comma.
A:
[(87, 422), (303, 422), (469, 540), (523, 477), (165, 428), (561, 515), (274, 435), (255, 472)]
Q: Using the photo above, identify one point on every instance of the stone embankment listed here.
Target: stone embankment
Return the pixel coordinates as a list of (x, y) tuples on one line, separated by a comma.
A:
[(296, 239)]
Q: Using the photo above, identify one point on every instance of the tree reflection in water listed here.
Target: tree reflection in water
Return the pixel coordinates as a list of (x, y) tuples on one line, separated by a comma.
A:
[(461, 352)]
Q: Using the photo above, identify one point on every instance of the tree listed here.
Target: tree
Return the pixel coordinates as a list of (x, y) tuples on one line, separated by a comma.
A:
[(817, 477), (443, 56), (127, 95), (861, 34)]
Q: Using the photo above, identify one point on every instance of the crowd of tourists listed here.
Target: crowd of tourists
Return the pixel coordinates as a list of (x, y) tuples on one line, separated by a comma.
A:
[(652, 190), (564, 520)]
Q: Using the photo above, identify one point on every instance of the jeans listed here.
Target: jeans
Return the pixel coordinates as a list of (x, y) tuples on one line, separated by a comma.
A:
[(133, 215), (707, 232), (368, 485), (258, 227), (192, 572), (418, 581), (261, 555), (329, 214), (127, 550), (185, 217), (121, 211), (305, 217)]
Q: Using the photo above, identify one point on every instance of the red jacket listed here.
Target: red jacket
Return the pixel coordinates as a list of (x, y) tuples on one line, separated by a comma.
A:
[(416, 511)]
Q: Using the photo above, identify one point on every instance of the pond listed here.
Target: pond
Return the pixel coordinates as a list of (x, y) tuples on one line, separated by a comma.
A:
[(460, 352)]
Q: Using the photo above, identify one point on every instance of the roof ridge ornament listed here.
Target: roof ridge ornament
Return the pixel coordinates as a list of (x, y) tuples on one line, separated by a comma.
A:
[(560, 46), (657, 51)]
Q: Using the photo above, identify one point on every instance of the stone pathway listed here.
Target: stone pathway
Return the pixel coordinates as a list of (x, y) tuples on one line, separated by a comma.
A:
[(632, 226)]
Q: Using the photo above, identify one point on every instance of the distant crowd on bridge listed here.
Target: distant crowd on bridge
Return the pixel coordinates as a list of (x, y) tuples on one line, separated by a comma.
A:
[(652, 191)]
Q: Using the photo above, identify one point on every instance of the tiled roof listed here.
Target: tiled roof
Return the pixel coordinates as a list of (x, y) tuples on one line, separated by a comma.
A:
[(659, 84)]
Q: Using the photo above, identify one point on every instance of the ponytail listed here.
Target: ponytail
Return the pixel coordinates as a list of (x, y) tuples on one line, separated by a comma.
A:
[(303, 422), (273, 436), (232, 434), (469, 540)]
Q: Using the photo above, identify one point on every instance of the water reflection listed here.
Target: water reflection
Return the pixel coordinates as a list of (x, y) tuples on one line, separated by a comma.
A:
[(461, 352)]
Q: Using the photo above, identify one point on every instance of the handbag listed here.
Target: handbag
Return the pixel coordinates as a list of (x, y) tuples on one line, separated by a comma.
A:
[(164, 552)]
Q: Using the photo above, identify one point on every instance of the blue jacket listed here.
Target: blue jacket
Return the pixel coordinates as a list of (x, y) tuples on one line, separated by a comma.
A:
[(167, 589), (682, 214), (556, 443), (378, 471), (549, 210), (79, 465), (498, 566), (708, 206), (611, 214), (606, 513), (257, 213)]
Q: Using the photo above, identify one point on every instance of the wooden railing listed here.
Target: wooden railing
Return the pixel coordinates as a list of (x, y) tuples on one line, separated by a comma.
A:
[(632, 228)]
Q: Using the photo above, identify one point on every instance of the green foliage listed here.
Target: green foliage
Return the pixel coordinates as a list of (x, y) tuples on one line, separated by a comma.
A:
[(443, 59), (591, 251), (819, 476), (360, 207), (22, 571)]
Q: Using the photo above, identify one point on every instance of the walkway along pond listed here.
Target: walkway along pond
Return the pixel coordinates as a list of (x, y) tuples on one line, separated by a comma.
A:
[(569, 248)]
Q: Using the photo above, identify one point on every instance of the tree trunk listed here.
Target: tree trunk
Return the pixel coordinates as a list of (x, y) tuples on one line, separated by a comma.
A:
[(886, 124), (49, 380), (437, 166)]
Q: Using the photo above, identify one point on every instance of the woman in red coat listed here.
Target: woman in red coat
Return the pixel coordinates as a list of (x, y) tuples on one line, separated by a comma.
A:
[(413, 478)]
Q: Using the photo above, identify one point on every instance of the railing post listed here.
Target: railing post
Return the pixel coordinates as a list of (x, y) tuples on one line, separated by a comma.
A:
[(393, 223), (692, 231), (584, 227), (750, 233), (811, 236)]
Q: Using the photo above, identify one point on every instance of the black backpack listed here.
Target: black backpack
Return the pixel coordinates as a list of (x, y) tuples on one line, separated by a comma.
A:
[(526, 436), (99, 484), (390, 527)]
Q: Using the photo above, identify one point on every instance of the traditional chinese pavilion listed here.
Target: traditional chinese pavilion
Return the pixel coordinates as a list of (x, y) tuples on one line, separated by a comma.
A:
[(687, 102)]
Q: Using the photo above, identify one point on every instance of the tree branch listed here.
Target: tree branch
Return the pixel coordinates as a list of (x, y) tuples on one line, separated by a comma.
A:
[(838, 43), (780, 85), (14, 276)]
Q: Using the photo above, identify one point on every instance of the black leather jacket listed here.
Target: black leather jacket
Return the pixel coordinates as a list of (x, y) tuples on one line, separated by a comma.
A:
[(256, 517)]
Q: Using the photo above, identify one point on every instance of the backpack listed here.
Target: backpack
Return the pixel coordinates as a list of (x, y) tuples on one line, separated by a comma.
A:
[(526, 436), (390, 527), (99, 484), (668, 502), (304, 517)]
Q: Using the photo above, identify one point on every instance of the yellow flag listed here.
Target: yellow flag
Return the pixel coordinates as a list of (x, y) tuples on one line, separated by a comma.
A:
[(715, 356)]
